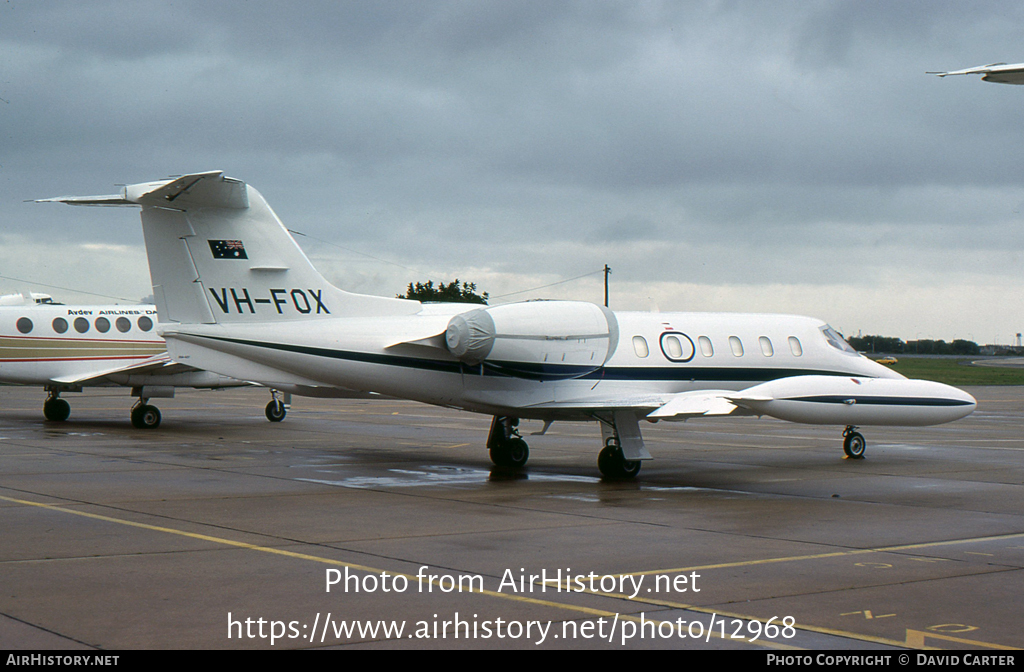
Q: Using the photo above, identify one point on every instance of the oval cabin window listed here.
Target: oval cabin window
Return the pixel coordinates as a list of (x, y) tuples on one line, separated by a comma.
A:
[(640, 346), (737, 346), (766, 346)]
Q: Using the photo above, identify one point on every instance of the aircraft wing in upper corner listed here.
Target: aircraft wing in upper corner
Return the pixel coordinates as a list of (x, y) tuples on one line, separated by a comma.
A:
[(1000, 73)]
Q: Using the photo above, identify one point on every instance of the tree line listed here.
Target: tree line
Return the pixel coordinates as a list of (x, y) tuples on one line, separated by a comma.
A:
[(926, 346)]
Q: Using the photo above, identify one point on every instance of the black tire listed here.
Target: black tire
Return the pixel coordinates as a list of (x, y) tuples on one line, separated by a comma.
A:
[(276, 410), (854, 446), (614, 465), (511, 453), (56, 410), (146, 417)]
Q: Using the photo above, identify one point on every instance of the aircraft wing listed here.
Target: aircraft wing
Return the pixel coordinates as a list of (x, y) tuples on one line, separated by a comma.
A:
[(156, 364), (680, 406), (1000, 73)]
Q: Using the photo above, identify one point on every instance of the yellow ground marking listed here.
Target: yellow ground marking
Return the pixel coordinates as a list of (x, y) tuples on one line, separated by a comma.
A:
[(364, 568), (796, 558), (833, 554), (916, 639)]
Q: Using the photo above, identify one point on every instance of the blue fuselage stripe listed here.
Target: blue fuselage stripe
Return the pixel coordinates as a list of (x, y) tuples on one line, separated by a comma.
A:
[(881, 401), (548, 372)]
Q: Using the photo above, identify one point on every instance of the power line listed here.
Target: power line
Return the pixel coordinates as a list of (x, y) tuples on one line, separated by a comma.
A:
[(560, 282), (67, 289)]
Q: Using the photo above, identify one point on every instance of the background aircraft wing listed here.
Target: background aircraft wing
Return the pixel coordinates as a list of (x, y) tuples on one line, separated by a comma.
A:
[(152, 366)]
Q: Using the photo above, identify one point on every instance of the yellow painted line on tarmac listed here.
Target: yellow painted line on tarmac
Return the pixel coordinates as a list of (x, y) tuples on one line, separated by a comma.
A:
[(834, 554), (327, 561)]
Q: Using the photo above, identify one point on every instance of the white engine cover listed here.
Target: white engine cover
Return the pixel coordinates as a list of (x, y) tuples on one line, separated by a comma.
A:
[(535, 332)]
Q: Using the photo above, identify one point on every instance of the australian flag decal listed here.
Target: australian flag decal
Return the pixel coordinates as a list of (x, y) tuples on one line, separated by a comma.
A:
[(227, 249)]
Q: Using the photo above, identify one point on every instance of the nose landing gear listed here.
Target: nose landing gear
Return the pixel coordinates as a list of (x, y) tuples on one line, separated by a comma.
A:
[(853, 443)]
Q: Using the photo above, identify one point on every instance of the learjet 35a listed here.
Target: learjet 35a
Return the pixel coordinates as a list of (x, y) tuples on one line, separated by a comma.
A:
[(236, 295)]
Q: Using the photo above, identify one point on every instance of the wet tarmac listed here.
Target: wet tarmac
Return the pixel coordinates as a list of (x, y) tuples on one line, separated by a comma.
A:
[(222, 530)]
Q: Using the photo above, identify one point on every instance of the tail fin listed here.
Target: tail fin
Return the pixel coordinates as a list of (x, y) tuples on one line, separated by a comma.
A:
[(219, 254)]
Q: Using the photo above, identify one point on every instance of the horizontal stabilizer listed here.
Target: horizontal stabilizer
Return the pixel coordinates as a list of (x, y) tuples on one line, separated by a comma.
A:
[(204, 190)]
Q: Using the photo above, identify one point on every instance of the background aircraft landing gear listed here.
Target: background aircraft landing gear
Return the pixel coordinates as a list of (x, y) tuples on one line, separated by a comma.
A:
[(277, 408), (145, 416), (853, 443), (506, 447), (56, 409), (614, 465)]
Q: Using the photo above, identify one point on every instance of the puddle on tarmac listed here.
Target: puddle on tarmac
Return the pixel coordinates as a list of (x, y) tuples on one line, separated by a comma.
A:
[(444, 475)]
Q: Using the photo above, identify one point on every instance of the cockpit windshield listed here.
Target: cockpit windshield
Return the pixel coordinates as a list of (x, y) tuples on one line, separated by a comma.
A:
[(836, 341)]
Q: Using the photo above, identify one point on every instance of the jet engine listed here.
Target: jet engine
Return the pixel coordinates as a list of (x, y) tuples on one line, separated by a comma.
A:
[(553, 338)]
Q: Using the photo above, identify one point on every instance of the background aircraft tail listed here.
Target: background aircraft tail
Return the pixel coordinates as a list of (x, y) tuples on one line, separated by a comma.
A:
[(218, 254)]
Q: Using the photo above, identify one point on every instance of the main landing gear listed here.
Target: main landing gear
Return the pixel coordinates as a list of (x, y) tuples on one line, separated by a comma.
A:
[(623, 446), (56, 409), (613, 464), (507, 448), (853, 443), (145, 416)]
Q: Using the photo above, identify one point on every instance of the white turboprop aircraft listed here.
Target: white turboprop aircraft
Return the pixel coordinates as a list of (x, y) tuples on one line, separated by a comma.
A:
[(65, 348), (1000, 73), (236, 295)]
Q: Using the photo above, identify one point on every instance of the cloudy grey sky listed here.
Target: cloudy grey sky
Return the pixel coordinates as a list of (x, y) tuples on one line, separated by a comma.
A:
[(733, 155)]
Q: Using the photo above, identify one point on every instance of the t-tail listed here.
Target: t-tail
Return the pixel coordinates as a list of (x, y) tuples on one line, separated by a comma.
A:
[(219, 254)]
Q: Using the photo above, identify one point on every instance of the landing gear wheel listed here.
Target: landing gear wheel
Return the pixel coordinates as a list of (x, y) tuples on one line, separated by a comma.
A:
[(614, 465), (510, 453), (56, 409), (853, 444), (276, 410), (145, 416)]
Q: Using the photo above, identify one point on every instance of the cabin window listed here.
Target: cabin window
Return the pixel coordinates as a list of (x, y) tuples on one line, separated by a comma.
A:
[(677, 347), (737, 345), (706, 348), (24, 325), (145, 323), (102, 325), (60, 325), (81, 325), (123, 324), (766, 346), (795, 347), (640, 346)]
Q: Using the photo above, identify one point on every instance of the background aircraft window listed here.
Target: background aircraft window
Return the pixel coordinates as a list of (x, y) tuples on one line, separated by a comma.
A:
[(145, 323), (81, 325), (123, 324), (24, 325), (60, 325), (737, 346), (766, 346), (102, 325), (640, 346), (795, 347), (706, 348)]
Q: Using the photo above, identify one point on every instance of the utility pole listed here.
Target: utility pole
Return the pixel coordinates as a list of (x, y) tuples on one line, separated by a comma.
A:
[(607, 272)]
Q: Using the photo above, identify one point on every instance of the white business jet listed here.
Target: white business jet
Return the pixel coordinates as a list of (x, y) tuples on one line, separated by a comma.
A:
[(1000, 73), (66, 348), (236, 295)]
